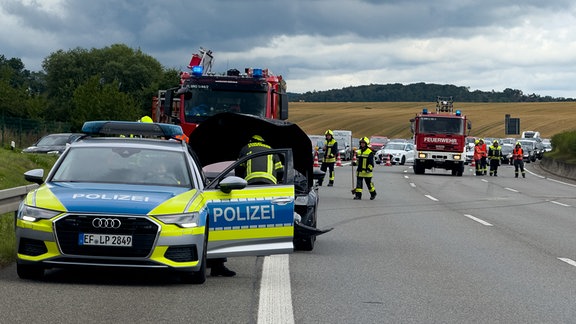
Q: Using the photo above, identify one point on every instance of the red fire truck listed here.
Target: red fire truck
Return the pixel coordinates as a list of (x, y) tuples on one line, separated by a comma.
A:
[(202, 94), (440, 138)]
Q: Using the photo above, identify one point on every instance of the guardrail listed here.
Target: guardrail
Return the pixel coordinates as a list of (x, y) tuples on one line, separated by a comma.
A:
[(11, 198)]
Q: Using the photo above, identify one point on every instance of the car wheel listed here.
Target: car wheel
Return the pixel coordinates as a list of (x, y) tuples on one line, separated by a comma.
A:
[(28, 271), (403, 160), (307, 244), (198, 277)]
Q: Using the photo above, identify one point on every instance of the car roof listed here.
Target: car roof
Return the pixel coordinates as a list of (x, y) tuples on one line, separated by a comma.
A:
[(147, 143)]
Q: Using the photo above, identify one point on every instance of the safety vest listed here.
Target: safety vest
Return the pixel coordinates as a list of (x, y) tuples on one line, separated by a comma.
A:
[(518, 154), (478, 152), (365, 160), (262, 169), (494, 153), (330, 150)]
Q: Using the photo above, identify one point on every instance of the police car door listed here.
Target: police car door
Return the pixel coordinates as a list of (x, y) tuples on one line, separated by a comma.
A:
[(251, 219)]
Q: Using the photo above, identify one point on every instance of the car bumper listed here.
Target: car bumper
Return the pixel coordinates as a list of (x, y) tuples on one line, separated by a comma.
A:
[(56, 243)]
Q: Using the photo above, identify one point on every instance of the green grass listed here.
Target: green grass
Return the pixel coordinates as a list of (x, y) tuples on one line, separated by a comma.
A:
[(13, 164)]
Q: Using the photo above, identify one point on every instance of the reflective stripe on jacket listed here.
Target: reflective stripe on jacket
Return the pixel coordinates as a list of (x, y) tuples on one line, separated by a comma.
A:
[(365, 160), (330, 150)]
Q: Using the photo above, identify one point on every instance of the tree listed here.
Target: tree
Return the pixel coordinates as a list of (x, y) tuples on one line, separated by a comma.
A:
[(95, 100)]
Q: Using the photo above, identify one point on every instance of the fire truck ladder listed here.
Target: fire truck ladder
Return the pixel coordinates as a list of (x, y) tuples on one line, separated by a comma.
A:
[(444, 104)]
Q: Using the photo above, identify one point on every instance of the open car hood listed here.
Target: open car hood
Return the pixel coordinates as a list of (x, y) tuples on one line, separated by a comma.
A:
[(220, 138)]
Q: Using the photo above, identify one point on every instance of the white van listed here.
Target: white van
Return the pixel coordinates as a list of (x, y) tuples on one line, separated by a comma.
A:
[(530, 134), (344, 139)]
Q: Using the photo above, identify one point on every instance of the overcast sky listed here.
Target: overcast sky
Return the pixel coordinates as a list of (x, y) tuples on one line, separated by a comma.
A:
[(485, 45)]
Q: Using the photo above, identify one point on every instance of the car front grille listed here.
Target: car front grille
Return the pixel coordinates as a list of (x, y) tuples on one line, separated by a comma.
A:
[(142, 230)]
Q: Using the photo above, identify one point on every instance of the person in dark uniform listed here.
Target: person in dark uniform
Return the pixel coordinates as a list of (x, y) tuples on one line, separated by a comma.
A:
[(330, 152), (365, 164), (265, 169), (494, 155)]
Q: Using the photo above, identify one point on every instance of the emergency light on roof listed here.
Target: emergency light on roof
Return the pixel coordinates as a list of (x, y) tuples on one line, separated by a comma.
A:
[(197, 70), (425, 111), (257, 73), (458, 113), (127, 128)]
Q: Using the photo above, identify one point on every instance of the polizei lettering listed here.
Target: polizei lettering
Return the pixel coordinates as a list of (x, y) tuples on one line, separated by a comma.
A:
[(110, 197), (441, 140), (246, 213)]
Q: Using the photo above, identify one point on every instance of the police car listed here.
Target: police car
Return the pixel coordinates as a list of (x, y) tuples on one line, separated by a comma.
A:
[(117, 197)]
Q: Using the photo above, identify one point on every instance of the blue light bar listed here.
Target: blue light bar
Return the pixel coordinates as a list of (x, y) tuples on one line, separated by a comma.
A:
[(127, 128), (425, 111), (458, 113), (197, 70), (257, 73)]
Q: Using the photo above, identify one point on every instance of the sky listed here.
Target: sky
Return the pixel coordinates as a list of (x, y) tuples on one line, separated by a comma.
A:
[(316, 45)]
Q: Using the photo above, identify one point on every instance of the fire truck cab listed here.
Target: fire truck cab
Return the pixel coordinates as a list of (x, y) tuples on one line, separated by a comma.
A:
[(440, 138), (203, 94)]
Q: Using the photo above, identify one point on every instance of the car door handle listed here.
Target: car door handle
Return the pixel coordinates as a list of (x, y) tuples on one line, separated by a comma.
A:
[(282, 200)]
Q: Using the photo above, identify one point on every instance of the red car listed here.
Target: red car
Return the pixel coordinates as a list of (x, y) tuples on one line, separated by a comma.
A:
[(377, 142)]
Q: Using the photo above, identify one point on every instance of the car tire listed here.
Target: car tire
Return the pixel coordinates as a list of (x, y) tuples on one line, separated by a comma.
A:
[(28, 271), (403, 160), (307, 244), (198, 277)]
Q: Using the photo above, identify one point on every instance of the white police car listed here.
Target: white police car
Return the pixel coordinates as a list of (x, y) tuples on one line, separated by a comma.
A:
[(118, 198)]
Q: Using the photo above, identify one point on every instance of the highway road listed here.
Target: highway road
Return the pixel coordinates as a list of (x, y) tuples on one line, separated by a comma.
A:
[(431, 248)]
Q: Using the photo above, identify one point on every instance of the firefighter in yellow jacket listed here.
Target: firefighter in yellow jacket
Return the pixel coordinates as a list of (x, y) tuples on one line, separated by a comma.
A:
[(365, 162), (330, 152)]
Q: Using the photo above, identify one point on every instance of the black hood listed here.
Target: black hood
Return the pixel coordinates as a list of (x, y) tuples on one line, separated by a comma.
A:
[(220, 138)]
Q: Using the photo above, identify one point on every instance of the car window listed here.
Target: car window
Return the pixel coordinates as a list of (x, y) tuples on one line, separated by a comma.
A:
[(124, 165), (52, 140)]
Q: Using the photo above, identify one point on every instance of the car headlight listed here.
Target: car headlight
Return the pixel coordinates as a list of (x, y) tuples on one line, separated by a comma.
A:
[(183, 220), (33, 214)]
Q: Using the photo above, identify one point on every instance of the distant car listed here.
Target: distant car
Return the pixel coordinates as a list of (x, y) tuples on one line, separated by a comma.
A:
[(399, 153), (547, 144), (377, 142), (529, 148), (506, 150), (53, 143), (318, 145)]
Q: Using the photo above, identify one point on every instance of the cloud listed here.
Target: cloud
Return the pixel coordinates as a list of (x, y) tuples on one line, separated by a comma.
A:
[(321, 44)]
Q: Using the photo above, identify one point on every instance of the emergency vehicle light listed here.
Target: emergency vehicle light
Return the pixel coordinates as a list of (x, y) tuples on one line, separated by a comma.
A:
[(425, 111), (458, 113), (257, 73), (197, 70), (127, 128)]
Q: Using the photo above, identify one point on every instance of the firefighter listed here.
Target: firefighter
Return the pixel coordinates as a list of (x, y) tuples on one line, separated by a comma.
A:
[(365, 162), (518, 158), (329, 159), (483, 162), (478, 154), (494, 155), (265, 169)]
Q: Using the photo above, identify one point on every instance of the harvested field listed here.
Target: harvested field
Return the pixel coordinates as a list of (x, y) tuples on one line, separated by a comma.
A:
[(392, 118)]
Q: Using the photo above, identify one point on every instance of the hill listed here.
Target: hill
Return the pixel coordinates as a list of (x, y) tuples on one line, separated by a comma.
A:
[(392, 118)]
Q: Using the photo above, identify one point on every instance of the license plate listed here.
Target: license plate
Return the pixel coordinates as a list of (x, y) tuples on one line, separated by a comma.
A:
[(104, 240)]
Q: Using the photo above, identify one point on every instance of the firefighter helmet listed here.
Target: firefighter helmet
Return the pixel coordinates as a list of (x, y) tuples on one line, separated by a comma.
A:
[(257, 138), (365, 140), (329, 132), (495, 142), (518, 144), (146, 119), (476, 141)]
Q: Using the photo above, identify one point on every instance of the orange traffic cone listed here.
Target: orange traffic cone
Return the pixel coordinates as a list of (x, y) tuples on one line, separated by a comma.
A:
[(316, 162), (354, 158), (338, 161), (388, 163), (473, 164)]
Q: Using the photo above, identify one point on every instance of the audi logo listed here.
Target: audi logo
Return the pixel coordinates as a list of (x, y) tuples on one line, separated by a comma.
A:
[(106, 223)]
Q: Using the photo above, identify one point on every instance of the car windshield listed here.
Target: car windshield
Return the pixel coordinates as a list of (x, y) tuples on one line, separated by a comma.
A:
[(395, 146), (123, 165), (53, 140)]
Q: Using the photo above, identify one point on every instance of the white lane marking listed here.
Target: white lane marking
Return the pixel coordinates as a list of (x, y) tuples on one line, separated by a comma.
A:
[(559, 203), (478, 220), (569, 261), (430, 197), (484, 180), (406, 177), (510, 189), (275, 305), (412, 185), (562, 182)]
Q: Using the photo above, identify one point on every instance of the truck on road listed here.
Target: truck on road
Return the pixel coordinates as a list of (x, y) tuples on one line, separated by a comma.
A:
[(440, 138), (203, 93)]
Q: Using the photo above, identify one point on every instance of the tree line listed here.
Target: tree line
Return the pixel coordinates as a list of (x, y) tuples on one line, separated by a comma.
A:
[(417, 92)]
